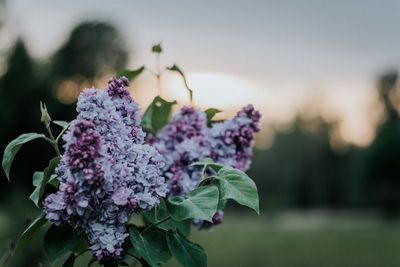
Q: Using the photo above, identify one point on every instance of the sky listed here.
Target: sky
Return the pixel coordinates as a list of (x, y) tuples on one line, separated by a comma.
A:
[(281, 56)]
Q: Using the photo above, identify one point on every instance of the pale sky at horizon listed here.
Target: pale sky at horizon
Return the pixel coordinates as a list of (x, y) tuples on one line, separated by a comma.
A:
[(287, 51)]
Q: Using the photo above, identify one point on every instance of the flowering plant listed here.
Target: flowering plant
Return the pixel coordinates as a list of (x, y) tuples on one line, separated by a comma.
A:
[(116, 166)]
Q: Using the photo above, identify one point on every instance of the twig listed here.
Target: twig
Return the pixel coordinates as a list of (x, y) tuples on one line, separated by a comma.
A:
[(154, 225)]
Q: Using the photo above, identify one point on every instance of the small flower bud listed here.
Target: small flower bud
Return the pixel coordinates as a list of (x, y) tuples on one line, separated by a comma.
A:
[(156, 48), (45, 116)]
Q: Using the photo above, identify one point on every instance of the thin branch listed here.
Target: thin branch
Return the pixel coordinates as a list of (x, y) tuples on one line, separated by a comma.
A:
[(154, 225), (52, 140)]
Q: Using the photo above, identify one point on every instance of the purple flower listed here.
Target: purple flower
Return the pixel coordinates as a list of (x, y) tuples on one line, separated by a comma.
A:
[(232, 140), (183, 141), (106, 172), (121, 196)]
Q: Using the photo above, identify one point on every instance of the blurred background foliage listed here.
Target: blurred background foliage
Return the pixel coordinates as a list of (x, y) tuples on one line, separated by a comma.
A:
[(299, 174)]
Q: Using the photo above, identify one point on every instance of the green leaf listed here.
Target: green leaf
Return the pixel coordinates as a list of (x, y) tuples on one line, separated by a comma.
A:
[(64, 126), (37, 181), (35, 196), (171, 224), (235, 184), (130, 255), (201, 203), (70, 261), (207, 162), (37, 178), (177, 69), (186, 252), (221, 204), (211, 112), (157, 114), (47, 174), (80, 246), (151, 246), (54, 181), (28, 233), (156, 48), (58, 240), (92, 260), (130, 74), (13, 147)]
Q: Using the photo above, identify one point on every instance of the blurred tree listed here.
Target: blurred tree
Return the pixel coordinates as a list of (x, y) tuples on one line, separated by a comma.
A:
[(383, 161), (20, 93), (93, 49), (300, 169)]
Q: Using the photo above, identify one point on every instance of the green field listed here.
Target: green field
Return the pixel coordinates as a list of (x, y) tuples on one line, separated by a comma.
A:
[(245, 242), (248, 240)]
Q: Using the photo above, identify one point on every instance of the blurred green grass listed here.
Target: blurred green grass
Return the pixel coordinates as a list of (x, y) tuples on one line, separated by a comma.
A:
[(248, 240)]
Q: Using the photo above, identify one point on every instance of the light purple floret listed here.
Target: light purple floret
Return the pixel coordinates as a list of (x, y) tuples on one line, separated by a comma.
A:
[(187, 139), (106, 172)]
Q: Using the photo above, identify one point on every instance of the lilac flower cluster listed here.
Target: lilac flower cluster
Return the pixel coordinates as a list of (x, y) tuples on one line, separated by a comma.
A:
[(106, 172), (187, 139), (183, 141), (231, 141)]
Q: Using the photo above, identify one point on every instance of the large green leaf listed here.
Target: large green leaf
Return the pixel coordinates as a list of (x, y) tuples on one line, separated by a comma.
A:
[(186, 252), (80, 246), (130, 74), (207, 162), (171, 224), (201, 203), (177, 69), (28, 233), (157, 114), (221, 204), (151, 246), (210, 113), (70, 261), (13, 148), (235, 184), (58, 240)]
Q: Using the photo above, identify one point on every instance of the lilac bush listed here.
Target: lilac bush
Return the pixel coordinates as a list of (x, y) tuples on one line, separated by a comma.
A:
[(106, 172)]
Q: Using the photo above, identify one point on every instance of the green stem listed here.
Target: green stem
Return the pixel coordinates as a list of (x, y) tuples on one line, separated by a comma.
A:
[(205, 178), (154, 225), (52, 140), (158, 74), (203, 171)]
